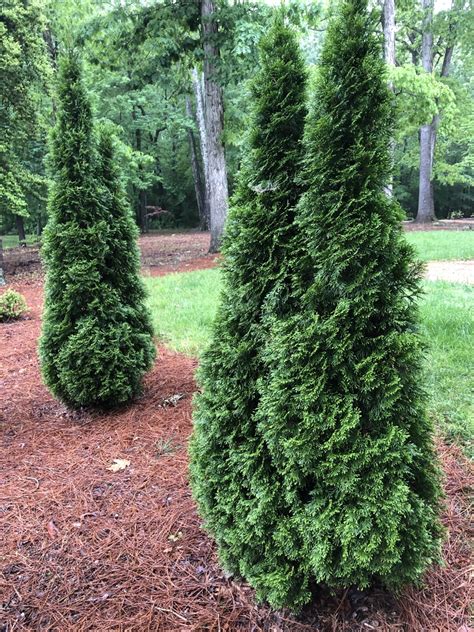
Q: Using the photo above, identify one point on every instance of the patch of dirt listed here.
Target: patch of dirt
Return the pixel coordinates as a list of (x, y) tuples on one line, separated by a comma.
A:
[(167, 249), (84, 548), (17, 261), (202, 263), (466, 223), (454, 271), (162, 253)]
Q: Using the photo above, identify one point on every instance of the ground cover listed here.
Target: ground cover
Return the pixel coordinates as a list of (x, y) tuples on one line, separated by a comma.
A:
[(442, 245), (83, 547)]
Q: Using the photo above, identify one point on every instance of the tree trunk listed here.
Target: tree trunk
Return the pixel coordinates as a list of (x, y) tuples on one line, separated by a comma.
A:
[(142, 218), (2, 276), (142, 211), (198, 91), (196, 169), (389, 54), (425, 212), (20, 226), (214, 118)]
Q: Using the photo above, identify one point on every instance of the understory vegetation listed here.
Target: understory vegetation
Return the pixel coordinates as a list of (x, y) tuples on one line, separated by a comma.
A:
[(12, 305)]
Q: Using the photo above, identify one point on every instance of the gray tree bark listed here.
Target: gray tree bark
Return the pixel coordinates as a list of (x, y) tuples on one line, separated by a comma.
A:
[(428, 133), (389, 54), (425, 212), (201, 124), (214, 124), (196, 169)]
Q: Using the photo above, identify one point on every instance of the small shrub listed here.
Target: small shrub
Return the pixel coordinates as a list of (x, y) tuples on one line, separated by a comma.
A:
[(97, 338), (12, 306)]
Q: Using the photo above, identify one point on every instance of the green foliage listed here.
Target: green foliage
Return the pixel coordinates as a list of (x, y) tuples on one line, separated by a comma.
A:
[(24, 70), (184, 307), (313, 461), (421, 95), (231, 475), (12, 305), (97, 339), (342, 408)]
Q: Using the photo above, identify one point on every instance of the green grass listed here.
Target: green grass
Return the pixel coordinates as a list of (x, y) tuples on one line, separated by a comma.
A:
[(448, 319), (183, 307), (11, 241), (439, 245)]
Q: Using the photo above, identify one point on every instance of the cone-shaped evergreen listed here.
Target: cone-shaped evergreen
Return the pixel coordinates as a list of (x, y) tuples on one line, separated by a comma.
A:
[(97, 339), (233, 481), (342, 411)]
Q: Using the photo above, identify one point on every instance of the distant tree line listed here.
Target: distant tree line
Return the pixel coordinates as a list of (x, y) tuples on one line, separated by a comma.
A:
[(172, 80)]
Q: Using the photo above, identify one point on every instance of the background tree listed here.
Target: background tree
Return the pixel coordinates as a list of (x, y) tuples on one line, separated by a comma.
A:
[(389, 56), (214, 123), (427, 139), (97, 339), (434, 124), (342, 409), (232, 478), (23, 74)]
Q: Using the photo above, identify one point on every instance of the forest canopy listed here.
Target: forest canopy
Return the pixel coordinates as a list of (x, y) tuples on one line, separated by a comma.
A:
[(162, 74)]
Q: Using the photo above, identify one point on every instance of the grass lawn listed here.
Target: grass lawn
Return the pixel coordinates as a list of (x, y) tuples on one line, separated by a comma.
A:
[(184, 305), (11, 241), (439, 245)]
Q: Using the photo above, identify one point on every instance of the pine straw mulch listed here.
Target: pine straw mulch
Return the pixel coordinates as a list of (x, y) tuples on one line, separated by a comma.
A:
[(85, 548)]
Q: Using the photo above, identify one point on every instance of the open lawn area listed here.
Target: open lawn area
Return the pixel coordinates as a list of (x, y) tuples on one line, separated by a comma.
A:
[(443, 245), (183, 307), (11, 241)]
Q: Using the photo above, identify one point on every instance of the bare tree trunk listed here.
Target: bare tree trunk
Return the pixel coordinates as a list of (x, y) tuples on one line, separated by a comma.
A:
[(142, 211), (196, 169), (214, 117), (2, 276), (389, 54), (20, 226), (425, 212), (198, 91), (142, 218)]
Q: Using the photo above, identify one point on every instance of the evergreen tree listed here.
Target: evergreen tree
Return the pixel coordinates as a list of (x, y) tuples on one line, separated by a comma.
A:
[(97, 339), (232, 478), (342, 409)]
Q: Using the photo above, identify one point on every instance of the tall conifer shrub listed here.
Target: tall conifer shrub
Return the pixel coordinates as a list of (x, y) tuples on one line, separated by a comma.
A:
[(232, 478), (96, 342), (342, 409)]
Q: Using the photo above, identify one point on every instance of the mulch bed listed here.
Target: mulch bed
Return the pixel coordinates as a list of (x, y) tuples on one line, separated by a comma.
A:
[(85, 548)]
